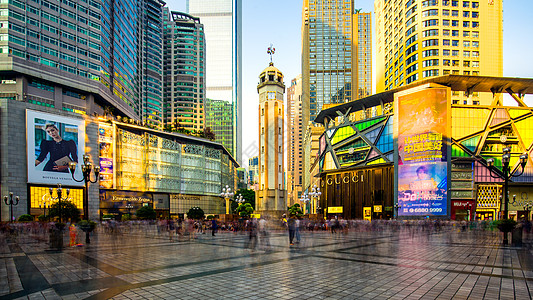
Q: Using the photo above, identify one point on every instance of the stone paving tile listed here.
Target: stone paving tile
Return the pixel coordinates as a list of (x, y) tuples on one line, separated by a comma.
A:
[(360, 265)]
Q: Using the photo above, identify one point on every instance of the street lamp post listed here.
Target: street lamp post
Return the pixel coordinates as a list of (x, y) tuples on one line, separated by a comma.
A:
[(59, 192), (469, 210), (240, 199), (396, 209), (9, 201), (86, 168), (305, 199), (44, 206), (226, 194), (315, 193), (507, 174)]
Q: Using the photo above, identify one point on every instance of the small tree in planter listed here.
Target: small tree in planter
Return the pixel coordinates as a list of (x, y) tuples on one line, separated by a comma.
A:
[(245, 210), (296, 210), (195, 213), (146, 213), (87, 226)]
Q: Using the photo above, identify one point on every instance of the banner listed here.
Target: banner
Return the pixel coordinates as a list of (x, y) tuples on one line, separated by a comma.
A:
[(106, 141), (53, 142), (422, 153)]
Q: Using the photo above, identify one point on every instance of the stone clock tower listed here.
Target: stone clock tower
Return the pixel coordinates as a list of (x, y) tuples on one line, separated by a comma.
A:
[(270, 197)]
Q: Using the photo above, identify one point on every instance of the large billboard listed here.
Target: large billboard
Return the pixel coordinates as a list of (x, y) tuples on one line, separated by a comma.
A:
[(422, 132), (53, 142), (106, 143)]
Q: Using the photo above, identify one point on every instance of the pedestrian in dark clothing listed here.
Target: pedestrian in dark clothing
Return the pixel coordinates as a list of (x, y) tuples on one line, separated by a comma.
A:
[(291, 223), (213, 226)]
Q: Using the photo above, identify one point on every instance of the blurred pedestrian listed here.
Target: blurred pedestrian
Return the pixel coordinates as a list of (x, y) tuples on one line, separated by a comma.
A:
[(213, 226), (291, 224)]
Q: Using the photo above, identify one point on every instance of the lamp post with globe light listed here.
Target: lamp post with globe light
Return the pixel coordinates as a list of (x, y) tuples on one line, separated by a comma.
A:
[(227, 194), (9, 201), (506, 174), (86, 169), (315, 193), (305, 199)]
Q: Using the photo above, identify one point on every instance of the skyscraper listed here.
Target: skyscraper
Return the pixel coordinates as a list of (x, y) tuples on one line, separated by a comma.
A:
[(184, 71), (336, 60), (151, 61), (83, 56), (426, 38), (222, 21), (294, 140), (218, 117)]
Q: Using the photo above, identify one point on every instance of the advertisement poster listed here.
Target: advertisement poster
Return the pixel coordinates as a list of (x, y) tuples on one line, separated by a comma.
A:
[(422, 155), (53, 142), (107, 150)]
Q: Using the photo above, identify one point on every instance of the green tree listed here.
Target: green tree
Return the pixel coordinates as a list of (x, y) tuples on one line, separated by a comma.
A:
[(245, 210), (248, 195), (26, 218), (195, 213), (296, 210), (69, 211), (146, 213)]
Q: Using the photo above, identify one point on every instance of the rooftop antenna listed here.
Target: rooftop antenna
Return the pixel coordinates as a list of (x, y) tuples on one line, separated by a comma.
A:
[(271, 50)]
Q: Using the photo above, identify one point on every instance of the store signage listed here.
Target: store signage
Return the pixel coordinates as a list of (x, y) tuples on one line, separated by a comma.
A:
[(335, 210), (367, 213), (422, 133), (462, 185), (462, 175), (377, 208), (112, 199), (462, 194)]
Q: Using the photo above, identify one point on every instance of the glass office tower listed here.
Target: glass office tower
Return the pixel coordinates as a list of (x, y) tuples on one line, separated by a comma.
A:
[(336, 60), (219, 117), (222, 21)]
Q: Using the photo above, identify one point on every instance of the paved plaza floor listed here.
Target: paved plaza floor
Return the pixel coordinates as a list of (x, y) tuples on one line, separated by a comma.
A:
[(417, 264)]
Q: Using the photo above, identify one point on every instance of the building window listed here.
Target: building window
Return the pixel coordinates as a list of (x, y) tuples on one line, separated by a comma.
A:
[(432, 42), (466, 33), (455, 63), (455, 3), (445, 72), (429, 73), (430, 32), (445, 22), (431, 52), (466, 63), (466, 4), (466, 44), (455, 32), (466, 14), (445, 62), (262, 130), (475, 14), (455, 43), (475, 24), (466, 53), (455, 13), (466, 24), (446, 42), (455, 101), (446, 32), (446, 52), (445, 12), (475, 64), (475, 44), (455, 23), (262, 111), (430, 62), (475, 54), (455, 52), (475, 4)]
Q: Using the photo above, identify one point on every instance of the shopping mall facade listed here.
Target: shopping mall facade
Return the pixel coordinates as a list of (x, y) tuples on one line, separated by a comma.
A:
[(413, 152), (140, 166)]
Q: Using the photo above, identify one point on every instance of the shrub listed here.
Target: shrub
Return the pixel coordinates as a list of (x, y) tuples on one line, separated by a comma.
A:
[(26, 218), (146, 213)]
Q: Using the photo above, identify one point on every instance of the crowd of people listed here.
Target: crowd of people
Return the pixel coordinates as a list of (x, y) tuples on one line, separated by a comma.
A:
[(258, 231)]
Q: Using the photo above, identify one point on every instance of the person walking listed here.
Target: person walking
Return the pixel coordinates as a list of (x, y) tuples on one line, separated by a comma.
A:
[(213, 226), (263, 233), (291, 224)]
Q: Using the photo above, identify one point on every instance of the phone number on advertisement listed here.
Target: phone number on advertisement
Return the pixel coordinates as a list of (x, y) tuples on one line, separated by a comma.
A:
[(422, 210)]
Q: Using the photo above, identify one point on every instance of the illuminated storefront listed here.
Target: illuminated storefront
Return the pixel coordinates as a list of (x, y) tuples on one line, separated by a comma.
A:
[(169, 172), (436, 149)]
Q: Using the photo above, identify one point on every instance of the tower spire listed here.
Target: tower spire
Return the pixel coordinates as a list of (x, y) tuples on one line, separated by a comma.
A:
[(271, 50)]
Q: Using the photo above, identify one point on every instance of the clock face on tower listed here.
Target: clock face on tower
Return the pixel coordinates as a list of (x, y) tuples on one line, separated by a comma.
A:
[(271, 95)]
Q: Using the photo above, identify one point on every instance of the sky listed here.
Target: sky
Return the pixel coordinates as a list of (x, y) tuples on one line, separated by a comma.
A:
[(278, 22)]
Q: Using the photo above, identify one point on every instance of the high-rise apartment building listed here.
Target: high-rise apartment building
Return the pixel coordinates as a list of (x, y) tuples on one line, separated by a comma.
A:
[(253, 172), (151, 61), (336, 54), (294, 140), (218, 117), (83, 56), (184, 71), (222, 21), (417, 39)]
